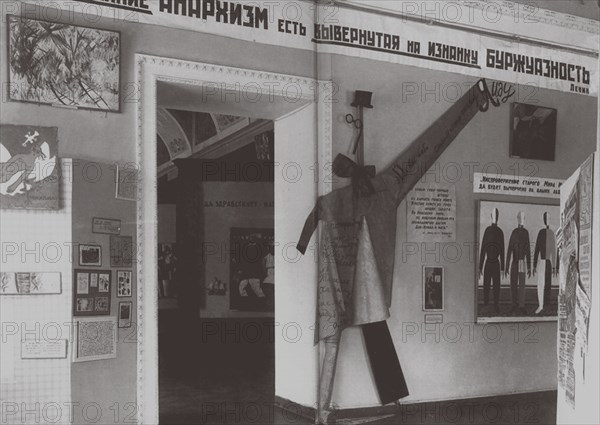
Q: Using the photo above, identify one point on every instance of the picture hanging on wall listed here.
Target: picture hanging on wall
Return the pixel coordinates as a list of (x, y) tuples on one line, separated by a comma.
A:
[(121, 251), (91, 292), (433, 288), (29, 167), (94, 338), (516, 267), (64, 65), (125, 314), (123, 283), (126, 178), (26, 283), (532, 132), (90, 255), (252, 270)]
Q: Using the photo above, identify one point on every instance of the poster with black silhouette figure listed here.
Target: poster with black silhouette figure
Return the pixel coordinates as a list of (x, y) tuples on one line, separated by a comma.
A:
[(29, 167), (433, 288), (533, 132), (252, 270), (516, 271)]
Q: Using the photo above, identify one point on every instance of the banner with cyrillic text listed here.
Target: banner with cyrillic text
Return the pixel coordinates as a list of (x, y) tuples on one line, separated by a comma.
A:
[(505, 184), (340, 30)]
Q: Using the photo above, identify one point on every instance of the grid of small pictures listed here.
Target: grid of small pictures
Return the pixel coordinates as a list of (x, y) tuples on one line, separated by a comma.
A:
[(91, 292), (123, 283)]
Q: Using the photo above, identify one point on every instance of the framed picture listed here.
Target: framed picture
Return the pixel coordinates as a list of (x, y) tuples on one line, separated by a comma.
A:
[(108, 226), (121, 251), (91, 292), (532, 132), (33, 149), (515, 271), (433, 288), (252, 269), (94, 338), (125, 309), (42, 70), (123, 283), (126, 178), (30, 283), (90, 255)]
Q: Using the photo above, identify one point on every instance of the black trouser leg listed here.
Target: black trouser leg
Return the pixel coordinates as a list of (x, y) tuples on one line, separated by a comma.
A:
[(491, 273), (487, 277), (385, 365), (547, 283), (514, 288)]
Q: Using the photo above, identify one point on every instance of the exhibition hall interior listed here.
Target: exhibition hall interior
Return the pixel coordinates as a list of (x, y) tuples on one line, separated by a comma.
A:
[(342, 212)]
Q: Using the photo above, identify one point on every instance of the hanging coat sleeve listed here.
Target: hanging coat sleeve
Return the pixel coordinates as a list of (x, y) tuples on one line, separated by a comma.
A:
[(309, 227)]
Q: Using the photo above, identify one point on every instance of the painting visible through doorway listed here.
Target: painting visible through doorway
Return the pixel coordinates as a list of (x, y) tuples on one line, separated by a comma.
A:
[(252, 270)]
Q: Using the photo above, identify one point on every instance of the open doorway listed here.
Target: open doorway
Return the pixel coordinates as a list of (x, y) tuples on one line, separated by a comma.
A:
[(300, 110), (216, 267)]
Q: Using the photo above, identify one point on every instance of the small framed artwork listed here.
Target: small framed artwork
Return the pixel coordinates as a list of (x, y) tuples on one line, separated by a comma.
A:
[(94, 338), (83, 283), (94, 280), (30, 283), (126, 178), (91, 292), (433, 288), (90, 255), (104, 282), (125, 309), (121, 251), (109, 226), (123, 283), (532, 132)]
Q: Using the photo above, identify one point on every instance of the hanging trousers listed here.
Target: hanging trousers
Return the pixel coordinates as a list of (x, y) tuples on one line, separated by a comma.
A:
[(385, 365)]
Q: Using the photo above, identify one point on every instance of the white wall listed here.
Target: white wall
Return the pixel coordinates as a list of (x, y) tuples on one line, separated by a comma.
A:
[(37, 391), (295, 294), (406, 101)]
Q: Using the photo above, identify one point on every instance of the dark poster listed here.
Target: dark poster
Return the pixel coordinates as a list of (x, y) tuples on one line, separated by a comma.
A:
[(29, 167), (252, 270)]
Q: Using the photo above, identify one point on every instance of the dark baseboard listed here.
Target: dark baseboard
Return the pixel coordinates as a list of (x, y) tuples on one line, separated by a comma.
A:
[(401, 410)]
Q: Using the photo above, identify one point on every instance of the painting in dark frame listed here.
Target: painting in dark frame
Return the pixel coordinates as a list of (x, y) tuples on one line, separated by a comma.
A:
[(63, 65), (532, 132)]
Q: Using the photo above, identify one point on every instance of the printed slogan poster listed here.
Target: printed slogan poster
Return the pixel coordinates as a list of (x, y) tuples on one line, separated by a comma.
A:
[(341, 30), (431, 213)]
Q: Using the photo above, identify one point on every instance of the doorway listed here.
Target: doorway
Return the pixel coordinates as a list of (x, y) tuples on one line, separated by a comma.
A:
[(216, 267), (300, 110)]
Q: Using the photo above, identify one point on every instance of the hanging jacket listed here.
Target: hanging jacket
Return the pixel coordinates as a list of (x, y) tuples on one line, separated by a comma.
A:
[(358, 232)]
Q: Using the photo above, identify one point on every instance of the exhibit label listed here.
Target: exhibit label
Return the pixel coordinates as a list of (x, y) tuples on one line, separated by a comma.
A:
[(44, 349), (505, 184)]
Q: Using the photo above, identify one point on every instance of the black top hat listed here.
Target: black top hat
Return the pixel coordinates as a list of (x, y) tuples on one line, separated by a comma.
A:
[(362, 98)]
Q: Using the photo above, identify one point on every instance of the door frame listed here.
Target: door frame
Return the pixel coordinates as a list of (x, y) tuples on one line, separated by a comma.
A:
[(149, 70)]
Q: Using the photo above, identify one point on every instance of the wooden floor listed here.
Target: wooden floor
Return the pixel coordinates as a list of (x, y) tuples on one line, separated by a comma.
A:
[(235, 384)]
